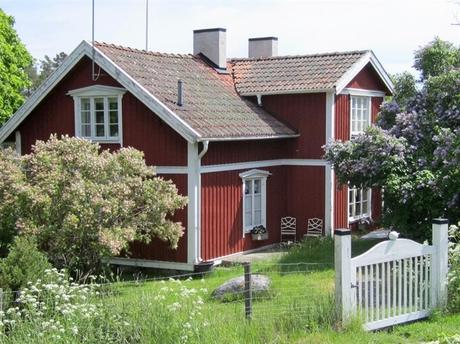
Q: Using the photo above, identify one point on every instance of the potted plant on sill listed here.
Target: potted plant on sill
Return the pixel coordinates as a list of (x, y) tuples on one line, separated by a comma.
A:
[(259, 233), (363, 224)]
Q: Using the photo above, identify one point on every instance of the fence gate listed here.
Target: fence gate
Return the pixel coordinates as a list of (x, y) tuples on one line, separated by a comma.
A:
[(396, 281)]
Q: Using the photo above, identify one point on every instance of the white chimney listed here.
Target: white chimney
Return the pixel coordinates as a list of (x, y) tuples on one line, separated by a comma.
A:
[(212, 43), (263, 47)]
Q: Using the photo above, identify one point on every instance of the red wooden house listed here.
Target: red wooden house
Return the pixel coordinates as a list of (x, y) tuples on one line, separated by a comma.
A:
[(242, 138)]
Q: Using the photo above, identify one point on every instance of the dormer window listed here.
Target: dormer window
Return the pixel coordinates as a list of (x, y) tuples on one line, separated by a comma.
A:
[(98, 113), (254, 199), (360, 114)]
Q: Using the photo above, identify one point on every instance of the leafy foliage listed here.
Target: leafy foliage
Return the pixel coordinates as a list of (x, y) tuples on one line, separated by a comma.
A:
[(413, 152), (405, 88), (14, 60), (39, 72), (24, 263), (83, 205), (436, 58)]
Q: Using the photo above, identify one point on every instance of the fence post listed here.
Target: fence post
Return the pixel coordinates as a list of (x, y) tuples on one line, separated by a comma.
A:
[(247, 290), (440, 262), (343, 283)]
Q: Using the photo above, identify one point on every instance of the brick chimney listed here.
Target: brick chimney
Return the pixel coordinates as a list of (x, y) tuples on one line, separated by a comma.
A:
[(263, 47), (212, 43)]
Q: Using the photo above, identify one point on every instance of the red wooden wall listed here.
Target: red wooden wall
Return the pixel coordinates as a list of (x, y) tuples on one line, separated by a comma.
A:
[(291, 191), (141, 128), (342, 132), (368, 79)]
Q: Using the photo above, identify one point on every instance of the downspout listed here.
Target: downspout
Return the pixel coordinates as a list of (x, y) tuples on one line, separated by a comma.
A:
[(200, 156)]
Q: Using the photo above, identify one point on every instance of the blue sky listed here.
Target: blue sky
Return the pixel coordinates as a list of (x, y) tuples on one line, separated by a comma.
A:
[(392, 28)]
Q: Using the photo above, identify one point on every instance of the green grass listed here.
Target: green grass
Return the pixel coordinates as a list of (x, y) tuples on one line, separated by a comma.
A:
[(298, 309)]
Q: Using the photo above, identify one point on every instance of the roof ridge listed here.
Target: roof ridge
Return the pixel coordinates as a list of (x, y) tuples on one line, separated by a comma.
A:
[(141, 51), (283, 57)]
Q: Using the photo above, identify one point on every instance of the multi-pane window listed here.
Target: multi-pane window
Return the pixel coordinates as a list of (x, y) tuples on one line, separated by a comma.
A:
[(360, 114), (358, 203), (252, 202), (98, 113), (99, 118), (254, 199)]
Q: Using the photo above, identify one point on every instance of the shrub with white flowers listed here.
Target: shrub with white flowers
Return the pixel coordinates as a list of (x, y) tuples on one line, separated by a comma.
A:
[(83, 204), (56, 308)]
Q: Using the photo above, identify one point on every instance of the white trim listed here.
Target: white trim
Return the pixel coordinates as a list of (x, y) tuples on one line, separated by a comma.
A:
[(252, 176), (328, 171), (85, 49), (97, 90), (171, 169), (247, 138), (241, 166), (274, 93), (261, 163), (147, 263), (193, 206), (351, 73), (18, 142), (361, 92)]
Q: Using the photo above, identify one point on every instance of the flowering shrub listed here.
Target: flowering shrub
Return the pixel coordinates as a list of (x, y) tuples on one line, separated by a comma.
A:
[(82, 204), (56, 309), (454, 269)]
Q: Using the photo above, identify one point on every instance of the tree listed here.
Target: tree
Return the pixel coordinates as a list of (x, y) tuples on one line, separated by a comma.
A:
[(436, 58), (405, 88), (413, 153), (83, 205), (14, 60), (41, 71)]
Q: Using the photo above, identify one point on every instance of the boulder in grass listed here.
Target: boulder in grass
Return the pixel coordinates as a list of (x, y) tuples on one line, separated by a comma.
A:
[(234, 289)]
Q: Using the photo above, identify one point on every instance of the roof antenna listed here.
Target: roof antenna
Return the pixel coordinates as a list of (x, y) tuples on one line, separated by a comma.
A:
[(146, 25), (93, 76)]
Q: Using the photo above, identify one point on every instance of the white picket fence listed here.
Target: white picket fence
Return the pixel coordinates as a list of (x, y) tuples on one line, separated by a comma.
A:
[(394, 282)]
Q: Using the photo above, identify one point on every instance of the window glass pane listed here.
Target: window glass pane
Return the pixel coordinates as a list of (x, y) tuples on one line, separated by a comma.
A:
[(99, 104), (113, 104), (257, 186), (258, 202), (364, 207), (248, 187), (86, 130), (248, 204), (85, 104), (100, 132), (85, 117), (257, 217), (113, 117), (248, 219), (114, 131), (99, 117)]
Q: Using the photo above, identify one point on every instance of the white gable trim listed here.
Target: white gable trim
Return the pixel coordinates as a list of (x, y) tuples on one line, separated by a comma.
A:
[(254, 174), (351, 73), (361, 92), (97, 90), (85, 48)]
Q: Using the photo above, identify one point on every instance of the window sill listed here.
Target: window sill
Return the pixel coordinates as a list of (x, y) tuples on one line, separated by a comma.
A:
[(103, 141), (358, 218)]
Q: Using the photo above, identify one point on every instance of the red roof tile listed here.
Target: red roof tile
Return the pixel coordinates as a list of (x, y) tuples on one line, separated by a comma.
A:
[(212, 106)]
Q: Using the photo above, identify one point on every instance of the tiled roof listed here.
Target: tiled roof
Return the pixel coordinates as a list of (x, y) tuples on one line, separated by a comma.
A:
[(292, 73), (212, 107)]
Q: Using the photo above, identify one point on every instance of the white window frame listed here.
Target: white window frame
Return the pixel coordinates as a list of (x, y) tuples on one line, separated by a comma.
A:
[(253, 175), (368, 192), (91, 93), (368, 121)]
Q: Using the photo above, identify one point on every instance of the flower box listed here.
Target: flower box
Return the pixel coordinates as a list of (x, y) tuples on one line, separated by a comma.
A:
[(260, 236)]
